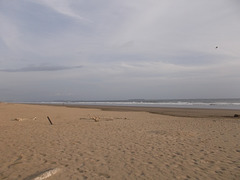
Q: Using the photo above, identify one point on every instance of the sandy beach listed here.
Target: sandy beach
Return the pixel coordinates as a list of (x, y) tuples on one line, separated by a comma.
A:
[(118, 143)]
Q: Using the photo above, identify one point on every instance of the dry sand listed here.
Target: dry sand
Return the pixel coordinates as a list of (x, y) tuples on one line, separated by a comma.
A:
[(118, 143)]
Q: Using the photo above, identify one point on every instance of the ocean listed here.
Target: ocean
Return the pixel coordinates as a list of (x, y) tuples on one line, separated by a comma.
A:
[(175, 103)]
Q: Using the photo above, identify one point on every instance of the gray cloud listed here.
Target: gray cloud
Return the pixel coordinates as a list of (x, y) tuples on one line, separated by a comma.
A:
[(36, 68), (129, 49)]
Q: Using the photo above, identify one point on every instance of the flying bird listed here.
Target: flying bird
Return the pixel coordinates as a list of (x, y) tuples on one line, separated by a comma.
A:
[(216, 47)]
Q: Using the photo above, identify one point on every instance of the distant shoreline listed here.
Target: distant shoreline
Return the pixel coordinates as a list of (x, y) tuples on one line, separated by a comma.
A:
[(231, 103), (171, 111)]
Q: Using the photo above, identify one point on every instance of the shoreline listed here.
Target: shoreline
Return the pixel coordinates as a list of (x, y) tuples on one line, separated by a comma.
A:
[(169, 111)]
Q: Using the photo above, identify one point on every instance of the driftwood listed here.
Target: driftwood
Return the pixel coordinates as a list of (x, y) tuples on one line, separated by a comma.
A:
[(43, 175), (49, 120), (95, 118), (24, 119)]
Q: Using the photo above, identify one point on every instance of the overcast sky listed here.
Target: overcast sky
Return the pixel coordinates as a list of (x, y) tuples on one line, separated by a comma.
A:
[(119, 49)]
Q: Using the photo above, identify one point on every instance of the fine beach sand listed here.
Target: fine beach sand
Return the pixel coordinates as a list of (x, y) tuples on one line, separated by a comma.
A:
[(118, 143)]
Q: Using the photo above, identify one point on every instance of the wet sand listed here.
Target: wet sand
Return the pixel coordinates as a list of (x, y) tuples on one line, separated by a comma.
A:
[(118, 143)]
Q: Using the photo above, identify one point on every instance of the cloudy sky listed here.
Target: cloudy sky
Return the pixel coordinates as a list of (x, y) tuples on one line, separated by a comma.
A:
[(119, 49)]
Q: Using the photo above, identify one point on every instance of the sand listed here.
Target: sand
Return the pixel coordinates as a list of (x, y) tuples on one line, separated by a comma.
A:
[(118, 143)]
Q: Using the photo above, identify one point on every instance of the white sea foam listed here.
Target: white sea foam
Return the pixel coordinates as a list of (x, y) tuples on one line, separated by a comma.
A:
[(185, 103)]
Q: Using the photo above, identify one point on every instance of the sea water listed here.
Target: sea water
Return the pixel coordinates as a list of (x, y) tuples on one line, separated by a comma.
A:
[(176, 103)]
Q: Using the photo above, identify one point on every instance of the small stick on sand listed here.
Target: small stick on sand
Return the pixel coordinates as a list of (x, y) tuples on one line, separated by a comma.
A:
[(50, 120)]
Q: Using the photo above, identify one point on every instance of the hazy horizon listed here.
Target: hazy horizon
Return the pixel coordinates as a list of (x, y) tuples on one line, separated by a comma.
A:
[(229, 100), (108, 50)]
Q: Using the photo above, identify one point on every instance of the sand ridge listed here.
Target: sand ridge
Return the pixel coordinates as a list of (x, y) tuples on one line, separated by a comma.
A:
[(120, 145)]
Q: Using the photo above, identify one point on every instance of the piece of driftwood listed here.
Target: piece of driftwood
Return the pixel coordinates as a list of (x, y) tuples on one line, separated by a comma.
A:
[(49, 120), (43, 175), (95, 118), (24, 119)]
